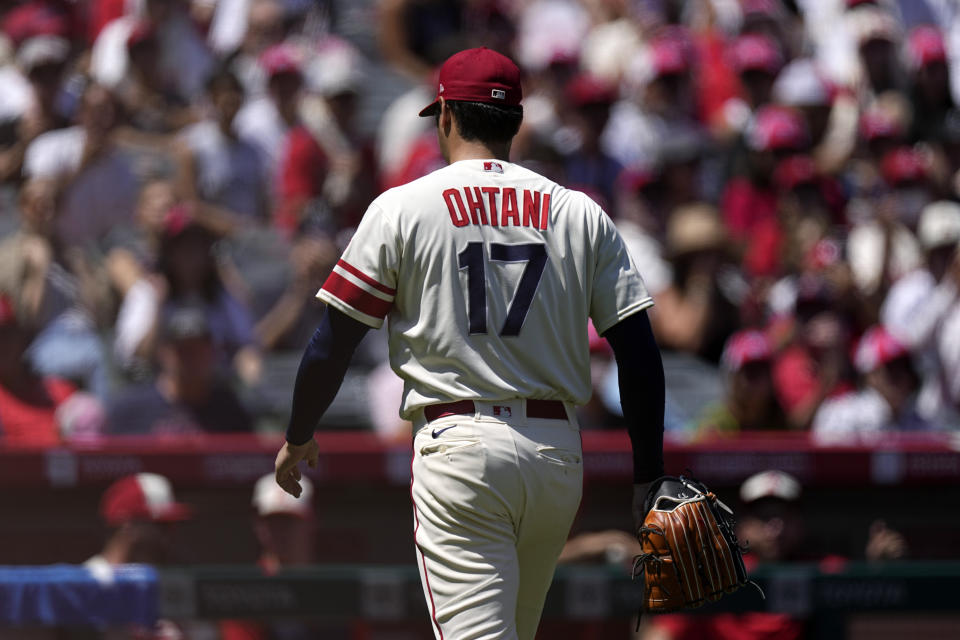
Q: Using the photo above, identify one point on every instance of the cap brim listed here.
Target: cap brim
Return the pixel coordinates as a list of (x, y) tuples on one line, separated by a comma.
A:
[(430, 109), (176, 512)]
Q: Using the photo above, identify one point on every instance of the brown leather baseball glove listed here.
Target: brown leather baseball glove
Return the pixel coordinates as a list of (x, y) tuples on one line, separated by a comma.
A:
[(691, 554)]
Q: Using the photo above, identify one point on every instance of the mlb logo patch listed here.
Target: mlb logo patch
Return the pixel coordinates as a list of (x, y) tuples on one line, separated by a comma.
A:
[(499, 94), (493, 166), (501, 411)]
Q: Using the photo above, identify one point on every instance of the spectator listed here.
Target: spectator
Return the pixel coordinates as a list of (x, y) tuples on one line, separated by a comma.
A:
[(884, 248), (750, 201), (813, 365), (258, 25), (830, 114), (751, 404), (285, 525), (26, 257), (59, 293), (141, 516), (887, 400), (415, 37), (926, 58), (286, 529), (335, 79), (295, 164), (918, 302), (217, 167), (694, 313), (587, 166), (147, 95), (42, 61), (641, 131), (191, 276), (28, 401), (139, 511), (877, 39), (183, 56), (98, 189), (188, 396), (757, 59)]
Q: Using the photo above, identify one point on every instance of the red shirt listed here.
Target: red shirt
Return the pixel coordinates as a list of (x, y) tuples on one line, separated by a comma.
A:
[(33, 424), (303, 169), (754, 625)]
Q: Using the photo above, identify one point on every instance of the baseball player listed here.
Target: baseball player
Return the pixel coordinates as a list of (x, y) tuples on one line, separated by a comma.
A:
[(489, 274)]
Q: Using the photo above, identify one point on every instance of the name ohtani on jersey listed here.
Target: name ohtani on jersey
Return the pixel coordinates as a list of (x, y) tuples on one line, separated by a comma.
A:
[(498, 207)]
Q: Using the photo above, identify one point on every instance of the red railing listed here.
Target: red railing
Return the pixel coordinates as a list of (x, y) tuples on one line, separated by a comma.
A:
[(237, 460)]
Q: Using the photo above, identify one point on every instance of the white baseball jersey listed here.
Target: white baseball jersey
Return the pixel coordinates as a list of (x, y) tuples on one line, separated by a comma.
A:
[(488, 272)]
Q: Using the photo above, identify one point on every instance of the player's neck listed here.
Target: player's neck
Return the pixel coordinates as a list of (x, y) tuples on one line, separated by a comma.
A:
[(473, 150)]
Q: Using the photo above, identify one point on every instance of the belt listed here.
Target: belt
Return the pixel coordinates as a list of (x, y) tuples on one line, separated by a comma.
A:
[(547, 409)]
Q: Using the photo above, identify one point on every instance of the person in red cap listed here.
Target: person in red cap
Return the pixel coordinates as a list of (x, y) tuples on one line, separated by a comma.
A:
[(929, 76), (149, 98), (887, 401), (757, 60), (138, 511), (750, 404), (589, 167), (750, 201), (489, 274)]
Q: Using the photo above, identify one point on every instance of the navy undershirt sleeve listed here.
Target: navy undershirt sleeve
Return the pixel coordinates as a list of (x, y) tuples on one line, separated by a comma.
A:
[(641, 392), (321, 372)]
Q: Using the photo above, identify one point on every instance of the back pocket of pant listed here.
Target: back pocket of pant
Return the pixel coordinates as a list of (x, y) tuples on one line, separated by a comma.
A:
[(559, 456), (447, 446)]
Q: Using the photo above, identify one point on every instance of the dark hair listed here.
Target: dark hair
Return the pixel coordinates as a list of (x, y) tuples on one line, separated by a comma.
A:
[(485, 122), (211, 285), (223, 78)]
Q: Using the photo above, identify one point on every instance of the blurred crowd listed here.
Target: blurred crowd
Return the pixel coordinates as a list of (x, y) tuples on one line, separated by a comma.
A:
[(177, 177)]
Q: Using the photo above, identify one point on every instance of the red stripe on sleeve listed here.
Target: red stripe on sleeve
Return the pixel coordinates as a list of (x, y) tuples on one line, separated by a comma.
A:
[(346, 266), (356, 297)]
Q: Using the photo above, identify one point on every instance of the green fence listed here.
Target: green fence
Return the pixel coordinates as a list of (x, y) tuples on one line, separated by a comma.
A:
[(393, 593)]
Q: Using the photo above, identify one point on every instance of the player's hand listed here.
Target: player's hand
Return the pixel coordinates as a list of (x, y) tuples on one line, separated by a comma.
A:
[(884, 543), (639, 496), (288, 474)]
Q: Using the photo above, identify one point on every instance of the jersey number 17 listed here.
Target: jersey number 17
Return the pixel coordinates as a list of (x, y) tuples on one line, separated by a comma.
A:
[(472, 259)]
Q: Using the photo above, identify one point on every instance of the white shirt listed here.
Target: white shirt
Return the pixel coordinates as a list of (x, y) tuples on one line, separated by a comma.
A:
[(16, 94), (259, 124), (104, 194), (229, 173), (482, 310), (852, 416)]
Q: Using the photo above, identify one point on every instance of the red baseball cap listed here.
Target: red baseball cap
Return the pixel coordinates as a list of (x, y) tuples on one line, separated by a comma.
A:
[(280, 58), (776, 128), (143, 496), (477, 75), (745, 347), (142, 32), (585, 89), (669, 56), (903, 165), (925, 46), (877, 347), (754, 52)]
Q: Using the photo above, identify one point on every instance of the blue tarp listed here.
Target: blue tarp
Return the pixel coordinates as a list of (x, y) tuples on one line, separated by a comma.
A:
[(72, 595)]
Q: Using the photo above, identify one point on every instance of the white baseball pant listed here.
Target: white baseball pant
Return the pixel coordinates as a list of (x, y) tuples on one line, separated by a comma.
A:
[(494, 496)]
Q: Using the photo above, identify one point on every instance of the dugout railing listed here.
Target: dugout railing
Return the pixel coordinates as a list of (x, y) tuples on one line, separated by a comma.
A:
[(370, 597)]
